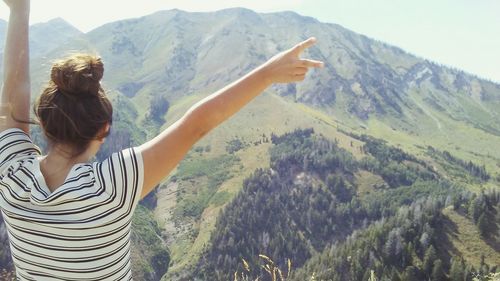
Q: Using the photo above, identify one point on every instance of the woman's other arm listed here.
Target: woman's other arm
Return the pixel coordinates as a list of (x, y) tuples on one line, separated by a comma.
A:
[(165, 151), (15, 100)]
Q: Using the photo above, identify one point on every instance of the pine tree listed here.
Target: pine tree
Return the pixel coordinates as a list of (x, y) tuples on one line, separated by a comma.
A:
[(468, 272), (474, 209), (457, 270), (437, 271), (429, 259), (367, 275), (483, 267), (482, 224), (410, 274), (394, 276)]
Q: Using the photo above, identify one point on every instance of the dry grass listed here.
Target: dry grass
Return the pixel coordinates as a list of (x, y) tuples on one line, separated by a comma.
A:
[(489, 277), (368, 183), (6, 275), (273, 271)]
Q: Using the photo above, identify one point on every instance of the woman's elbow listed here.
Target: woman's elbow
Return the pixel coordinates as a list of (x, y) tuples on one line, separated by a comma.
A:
[(200, 122)]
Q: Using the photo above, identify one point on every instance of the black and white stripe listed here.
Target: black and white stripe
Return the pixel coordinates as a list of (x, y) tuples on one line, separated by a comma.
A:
[(81, 231)]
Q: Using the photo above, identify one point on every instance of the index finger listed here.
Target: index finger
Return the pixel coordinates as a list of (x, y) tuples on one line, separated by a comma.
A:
[(299, 48), (311, 63)]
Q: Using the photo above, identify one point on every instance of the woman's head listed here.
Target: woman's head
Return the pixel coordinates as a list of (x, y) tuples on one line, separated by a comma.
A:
[(73, 109)]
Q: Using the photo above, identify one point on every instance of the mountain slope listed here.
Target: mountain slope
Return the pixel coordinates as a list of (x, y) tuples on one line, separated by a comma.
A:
[(366, 84), (416, 244), (47, 36), (309, 200)]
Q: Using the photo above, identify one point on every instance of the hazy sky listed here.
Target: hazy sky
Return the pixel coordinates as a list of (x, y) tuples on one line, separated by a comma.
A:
[(460, 33)]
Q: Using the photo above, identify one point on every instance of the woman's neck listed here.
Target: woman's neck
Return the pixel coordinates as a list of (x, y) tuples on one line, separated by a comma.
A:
[(61, 156), (56, 165)]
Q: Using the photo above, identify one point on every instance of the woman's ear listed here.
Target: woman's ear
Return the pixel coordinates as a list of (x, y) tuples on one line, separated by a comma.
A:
[(107, 129), (104, 132)]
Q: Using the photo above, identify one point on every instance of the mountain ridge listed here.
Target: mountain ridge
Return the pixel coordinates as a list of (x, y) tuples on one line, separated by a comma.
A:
[(249, 11)]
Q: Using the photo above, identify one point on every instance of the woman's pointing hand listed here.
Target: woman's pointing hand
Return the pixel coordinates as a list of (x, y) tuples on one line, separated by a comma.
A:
[(287, 66)]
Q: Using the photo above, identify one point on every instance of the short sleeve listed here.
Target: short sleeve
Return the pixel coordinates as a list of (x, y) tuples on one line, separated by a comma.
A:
[(124, 172), (15, 144)]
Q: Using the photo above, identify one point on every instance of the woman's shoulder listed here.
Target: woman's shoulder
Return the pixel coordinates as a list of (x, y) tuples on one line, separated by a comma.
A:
[(13, 133), (17, 139), (16, 145)]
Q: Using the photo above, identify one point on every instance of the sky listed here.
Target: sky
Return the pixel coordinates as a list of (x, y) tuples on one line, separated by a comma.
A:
[(464, 34)]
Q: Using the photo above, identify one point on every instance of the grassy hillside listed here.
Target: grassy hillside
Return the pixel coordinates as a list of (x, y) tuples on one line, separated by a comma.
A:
[(463, 235), (254, 128)]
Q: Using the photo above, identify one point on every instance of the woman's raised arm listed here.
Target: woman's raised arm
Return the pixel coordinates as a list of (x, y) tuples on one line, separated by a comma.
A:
[(165, 151), (15, 100)]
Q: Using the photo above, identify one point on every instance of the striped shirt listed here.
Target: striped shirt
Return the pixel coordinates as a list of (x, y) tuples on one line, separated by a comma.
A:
[(81, 231)]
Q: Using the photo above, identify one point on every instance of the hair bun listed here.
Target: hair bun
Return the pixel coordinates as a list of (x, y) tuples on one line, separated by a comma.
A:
[(78, 75)]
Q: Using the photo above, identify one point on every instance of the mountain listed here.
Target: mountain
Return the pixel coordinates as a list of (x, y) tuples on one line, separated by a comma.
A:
[(46, 36), (366, 84), (53, 34), (157, 66)]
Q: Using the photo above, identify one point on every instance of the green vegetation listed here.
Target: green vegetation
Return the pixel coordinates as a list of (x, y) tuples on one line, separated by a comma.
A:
[(234, 145), (220, 198), (215, 171), (150, 257), (392, 163), (306, 203), (125, 132), (6, 266), (458, 168), (192, 168), (407, 246), (158, 108)]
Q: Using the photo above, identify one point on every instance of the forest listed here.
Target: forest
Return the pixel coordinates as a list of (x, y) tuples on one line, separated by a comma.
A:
[(307, 208)]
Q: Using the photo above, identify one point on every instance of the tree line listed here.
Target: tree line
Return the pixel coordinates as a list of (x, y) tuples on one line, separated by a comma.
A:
[(308, 201)]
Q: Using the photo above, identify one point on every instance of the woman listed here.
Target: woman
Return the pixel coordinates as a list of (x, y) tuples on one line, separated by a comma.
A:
[(69, 219)]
